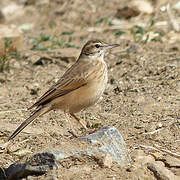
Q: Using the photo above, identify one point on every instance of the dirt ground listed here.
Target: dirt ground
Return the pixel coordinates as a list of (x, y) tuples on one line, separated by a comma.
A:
[(142, 99)]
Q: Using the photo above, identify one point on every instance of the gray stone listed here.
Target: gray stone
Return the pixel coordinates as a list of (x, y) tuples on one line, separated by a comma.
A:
[(109, 141), (106, 143)]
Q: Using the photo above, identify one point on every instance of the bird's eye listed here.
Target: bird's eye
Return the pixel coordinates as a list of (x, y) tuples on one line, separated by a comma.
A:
[(97, 46)]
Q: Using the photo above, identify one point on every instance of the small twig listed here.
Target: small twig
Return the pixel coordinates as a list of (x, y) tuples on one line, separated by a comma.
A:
[(149, 147), (101, 29), (168, 152), (161, 150), (166, 53), (63, 7), (153, 132), (23, 141)]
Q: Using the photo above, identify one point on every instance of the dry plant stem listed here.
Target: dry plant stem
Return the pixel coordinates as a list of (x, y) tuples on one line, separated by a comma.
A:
[(172, 19), (169, 152), (92, 5), (161, 150), (153, 132)]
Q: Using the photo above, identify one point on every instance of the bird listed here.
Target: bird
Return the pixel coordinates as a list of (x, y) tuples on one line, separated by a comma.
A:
[(78, 88)]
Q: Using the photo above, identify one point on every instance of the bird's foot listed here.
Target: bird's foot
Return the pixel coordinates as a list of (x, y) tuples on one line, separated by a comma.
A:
[(4, 146), (91, 131), (84, 133)]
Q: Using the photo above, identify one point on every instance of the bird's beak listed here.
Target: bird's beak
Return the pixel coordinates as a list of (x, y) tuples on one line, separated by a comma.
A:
[(110, 46)]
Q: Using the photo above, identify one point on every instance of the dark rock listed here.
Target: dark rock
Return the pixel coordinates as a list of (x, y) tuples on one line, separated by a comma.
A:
[(19, 171), (127, 12), (43, 61), (2, 174)]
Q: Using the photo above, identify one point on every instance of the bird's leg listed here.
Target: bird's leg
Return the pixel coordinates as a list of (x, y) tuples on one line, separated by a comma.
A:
[(71, 126), (83, 125), (79, 121)]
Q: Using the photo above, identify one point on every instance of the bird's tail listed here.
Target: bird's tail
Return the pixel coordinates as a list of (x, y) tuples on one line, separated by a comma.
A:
[(37, 112)]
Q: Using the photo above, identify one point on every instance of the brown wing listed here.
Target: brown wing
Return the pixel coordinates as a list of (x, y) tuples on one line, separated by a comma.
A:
[(75, 77)]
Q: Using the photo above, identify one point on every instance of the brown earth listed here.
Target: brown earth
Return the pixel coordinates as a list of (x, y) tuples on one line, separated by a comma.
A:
[(142, 99)]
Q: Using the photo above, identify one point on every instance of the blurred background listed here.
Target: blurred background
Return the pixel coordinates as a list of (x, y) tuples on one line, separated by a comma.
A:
[(48, 25), (40, 39)]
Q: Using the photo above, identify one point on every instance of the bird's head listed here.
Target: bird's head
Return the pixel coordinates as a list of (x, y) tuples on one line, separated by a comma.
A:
[(96, 49)]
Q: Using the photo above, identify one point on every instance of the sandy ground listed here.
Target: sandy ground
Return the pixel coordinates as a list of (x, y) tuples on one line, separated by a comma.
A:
[(142, 99)]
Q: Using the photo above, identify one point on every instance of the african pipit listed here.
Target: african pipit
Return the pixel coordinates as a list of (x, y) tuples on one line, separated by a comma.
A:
[(80, 86)]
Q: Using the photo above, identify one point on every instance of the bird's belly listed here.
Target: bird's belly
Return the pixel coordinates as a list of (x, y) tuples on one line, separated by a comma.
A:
[(80, 98), (85, 97)]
